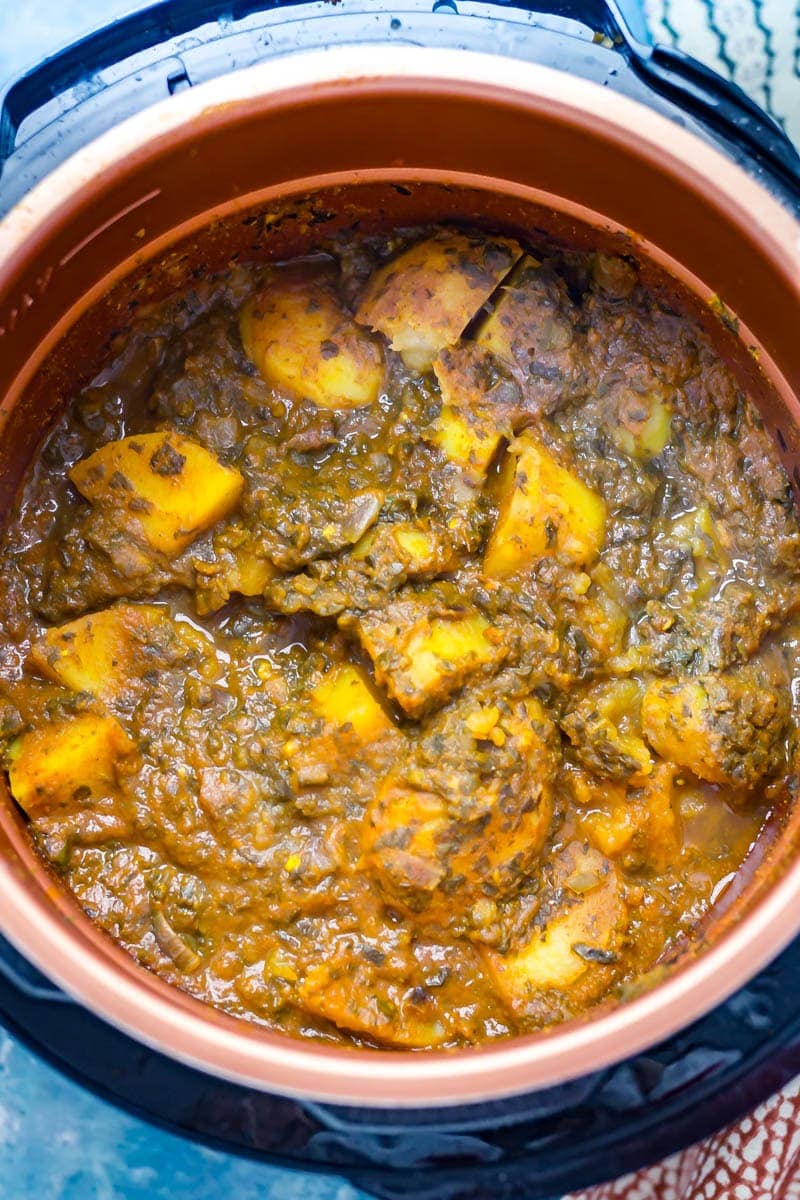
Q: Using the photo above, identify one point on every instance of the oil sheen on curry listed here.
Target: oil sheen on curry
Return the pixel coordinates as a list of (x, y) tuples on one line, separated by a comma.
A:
[(397, 643)]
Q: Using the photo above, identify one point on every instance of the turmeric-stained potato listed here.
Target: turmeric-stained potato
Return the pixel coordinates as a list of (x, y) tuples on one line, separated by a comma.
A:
[(423, 299), (465, 813), (425, 644), (355, 998), (247, 575), (303, 341), (250, 574), (637, 821), (106, 652), (604, 726), (345, 701), (478, 404), (708, 542), (575, 938), (350, 725), (421, 548), (532, 331), (467, 437), (726, 728), (544, 510), (643, 424), (74, 759), (603, 625), (163, 485), (238, 565), (381, 562)]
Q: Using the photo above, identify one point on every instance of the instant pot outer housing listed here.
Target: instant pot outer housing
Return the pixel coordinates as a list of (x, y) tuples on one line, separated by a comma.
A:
[(695, 184)]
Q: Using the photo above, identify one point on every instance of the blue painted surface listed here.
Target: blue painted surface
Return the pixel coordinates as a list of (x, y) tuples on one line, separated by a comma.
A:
[(58, 1142)]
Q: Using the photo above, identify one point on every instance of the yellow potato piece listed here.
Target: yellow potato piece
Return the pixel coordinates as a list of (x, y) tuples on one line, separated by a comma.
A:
[(163, 484), (103, 652), (50, 765), (372, 1006), (544, 510), (421, 549), (642, 818), (423, 299), (250, 574), (435, 650), (590, 919), (726, 727), (678, 723), (644, 426), (483, 724), (469, 439), (242, 568), (601, 617), (611, 829), (473, 421), (435, 862), (419, 546), (429, 657), (708, 542), (344, 699), (604, 726), (302, 340)]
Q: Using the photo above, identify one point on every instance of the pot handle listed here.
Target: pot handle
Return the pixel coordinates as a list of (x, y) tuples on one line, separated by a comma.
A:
[(719, 104)]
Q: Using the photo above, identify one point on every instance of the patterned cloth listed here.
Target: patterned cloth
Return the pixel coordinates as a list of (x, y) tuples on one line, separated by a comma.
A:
[(756, 1159), (756, 43)]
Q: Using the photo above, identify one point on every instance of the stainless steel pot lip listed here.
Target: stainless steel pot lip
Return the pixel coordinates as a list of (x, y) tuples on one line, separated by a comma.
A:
[(108, 982)]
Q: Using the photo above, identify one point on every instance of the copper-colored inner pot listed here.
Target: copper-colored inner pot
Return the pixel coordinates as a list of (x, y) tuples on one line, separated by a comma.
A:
[(261, 177)]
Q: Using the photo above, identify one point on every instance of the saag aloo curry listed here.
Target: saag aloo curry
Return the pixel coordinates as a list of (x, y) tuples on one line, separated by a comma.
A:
[(398, 643)]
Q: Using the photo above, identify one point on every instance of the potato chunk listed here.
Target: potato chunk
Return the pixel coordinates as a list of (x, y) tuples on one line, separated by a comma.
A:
[(544, 510), (423, 299), (48, 766), (707, 541), (468, 438), (351, 727), (577, 938), (643, 424), (420, 547), (532, 331), (423, 649), (302, 340), (723, 728), (476, 410), (344, 700), (638, 820), (250, 574), (604, 727), (246, 572), (358, 1000), (105, 652), (466, 811), (163, 484), (417, 546)]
